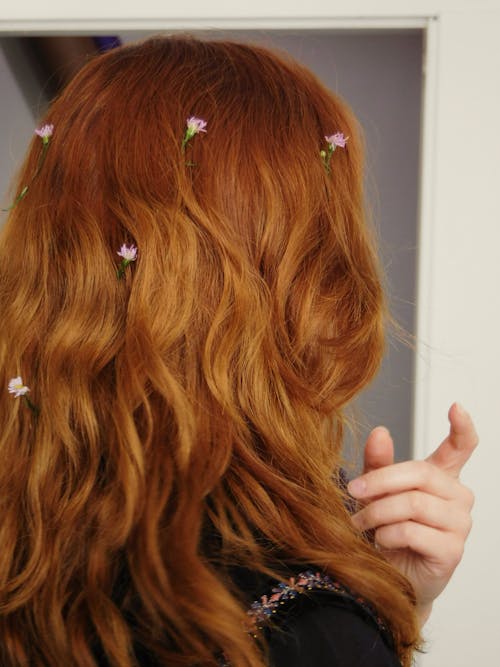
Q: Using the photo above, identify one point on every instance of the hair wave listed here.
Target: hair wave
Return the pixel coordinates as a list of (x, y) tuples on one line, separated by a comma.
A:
[(201, 395)]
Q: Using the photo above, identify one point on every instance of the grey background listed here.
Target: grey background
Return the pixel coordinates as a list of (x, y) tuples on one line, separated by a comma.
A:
[(380, 74)]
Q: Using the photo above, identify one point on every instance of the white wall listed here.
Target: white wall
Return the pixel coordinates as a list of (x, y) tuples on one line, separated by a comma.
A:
[(458, 306), (459, 312)]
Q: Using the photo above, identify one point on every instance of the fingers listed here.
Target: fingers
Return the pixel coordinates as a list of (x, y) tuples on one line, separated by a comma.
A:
[(438, 547), (456, 449), (379, 449), (418, 507), (418, 511), (406, 476)]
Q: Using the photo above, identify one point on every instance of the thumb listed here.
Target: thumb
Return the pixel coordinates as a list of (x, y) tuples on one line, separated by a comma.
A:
[(455, 450), (379, 449)]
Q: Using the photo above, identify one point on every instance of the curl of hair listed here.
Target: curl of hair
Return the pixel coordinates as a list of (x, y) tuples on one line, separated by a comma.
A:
[(202, 394)]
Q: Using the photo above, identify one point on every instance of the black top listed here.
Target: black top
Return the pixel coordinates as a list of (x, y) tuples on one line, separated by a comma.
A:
[(312, 620), (329, 632)]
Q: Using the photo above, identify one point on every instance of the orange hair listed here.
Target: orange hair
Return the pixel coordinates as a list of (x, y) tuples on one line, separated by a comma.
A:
[(201, 395)]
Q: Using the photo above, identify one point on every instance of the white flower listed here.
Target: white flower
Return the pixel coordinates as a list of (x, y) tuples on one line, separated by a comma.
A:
[(17, 387), (129, 253)]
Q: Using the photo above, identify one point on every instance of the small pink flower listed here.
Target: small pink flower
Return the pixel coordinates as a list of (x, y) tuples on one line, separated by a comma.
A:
[(333, 140), (195, 125), (129, 253), (337, 139), (45, 132)]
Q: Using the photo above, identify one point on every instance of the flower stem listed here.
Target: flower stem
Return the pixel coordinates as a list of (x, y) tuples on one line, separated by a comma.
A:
[(326, 156), (121, 270), (34, 408), (41, 160)]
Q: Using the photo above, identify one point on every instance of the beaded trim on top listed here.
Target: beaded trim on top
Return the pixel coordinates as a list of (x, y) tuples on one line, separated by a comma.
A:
[(263, 609)]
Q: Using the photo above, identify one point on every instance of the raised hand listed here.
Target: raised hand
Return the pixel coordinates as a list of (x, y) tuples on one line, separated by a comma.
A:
[(419, 510)]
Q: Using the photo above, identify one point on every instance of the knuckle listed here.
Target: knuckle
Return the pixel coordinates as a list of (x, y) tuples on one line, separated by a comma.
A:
[(406, 531), (417, 503), (372, 516), (381, 537)]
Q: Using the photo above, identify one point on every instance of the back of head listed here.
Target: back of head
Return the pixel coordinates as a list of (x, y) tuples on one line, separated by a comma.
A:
[(200, 395)]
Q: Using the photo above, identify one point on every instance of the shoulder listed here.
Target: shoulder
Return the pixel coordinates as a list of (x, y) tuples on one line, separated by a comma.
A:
[(312, 621)]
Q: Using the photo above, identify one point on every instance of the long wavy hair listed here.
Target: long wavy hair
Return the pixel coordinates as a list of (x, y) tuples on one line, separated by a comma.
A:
[(191, 414)]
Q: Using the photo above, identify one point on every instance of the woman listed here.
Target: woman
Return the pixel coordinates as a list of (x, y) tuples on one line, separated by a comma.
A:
[(191, 297)]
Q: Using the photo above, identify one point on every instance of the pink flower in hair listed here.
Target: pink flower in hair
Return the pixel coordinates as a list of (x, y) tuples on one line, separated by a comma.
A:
[(194, 126), (45, 132), (129, 254), (337, 139), (333, 141)]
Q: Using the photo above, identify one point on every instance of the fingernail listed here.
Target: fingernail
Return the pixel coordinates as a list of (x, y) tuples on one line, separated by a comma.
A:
[(357, 487), (381, 433), (460, 409)]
